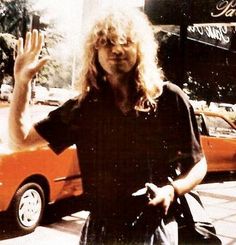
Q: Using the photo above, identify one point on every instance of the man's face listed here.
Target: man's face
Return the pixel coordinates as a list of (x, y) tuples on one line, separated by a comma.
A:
[(117, 58)]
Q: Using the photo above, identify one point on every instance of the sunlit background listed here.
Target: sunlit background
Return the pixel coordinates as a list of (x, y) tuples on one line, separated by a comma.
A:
[(200, 59), (69, 18)]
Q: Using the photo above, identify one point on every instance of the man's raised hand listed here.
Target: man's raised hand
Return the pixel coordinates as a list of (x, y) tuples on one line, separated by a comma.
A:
[(27, 62)]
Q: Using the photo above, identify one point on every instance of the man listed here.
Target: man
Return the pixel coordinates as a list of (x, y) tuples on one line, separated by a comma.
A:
[(131, 130)]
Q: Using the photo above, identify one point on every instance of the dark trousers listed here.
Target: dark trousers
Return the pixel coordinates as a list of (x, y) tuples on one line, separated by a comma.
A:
[(119, 232)]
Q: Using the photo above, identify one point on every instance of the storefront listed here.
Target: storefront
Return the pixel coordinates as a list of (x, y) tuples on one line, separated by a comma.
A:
[(198, 45)]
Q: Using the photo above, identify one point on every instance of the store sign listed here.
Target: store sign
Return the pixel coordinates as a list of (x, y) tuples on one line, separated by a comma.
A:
[(216, 35), (219, 36), (225, 8), (190, 12)]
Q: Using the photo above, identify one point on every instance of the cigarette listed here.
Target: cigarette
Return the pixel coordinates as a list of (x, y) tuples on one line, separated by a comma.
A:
[(140, 192)]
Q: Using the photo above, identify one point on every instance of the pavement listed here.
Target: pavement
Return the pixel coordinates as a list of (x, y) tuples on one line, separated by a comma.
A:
[(219, 200)]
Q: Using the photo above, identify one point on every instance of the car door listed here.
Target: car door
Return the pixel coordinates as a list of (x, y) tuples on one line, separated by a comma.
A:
[(218, 138)]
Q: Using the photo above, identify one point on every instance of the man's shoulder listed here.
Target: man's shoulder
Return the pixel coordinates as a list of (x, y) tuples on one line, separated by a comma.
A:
[(69, 107), (173, 96), (173, 88), (77, 101), (80, 104)]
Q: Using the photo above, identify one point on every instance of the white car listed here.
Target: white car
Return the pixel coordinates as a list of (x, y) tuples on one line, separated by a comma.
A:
[(57, 96), (40, 94), (227, 107), (6, 92)]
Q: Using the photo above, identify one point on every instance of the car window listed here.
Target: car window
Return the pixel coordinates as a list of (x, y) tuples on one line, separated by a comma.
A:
[(200, 123), (219, 127), (229, 109)]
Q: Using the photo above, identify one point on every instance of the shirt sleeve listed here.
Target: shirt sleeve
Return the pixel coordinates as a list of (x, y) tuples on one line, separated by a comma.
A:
[(58, 127), (191, 151), (186, 146)]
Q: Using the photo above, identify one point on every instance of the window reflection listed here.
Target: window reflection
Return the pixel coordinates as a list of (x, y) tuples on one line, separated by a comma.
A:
[(218, 127)]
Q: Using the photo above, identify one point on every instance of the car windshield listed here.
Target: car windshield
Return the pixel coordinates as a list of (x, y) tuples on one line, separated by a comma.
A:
[(218, 127)]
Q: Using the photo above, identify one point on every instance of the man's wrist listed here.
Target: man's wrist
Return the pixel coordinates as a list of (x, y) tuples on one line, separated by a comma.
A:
[(171, 192), (172, 183)]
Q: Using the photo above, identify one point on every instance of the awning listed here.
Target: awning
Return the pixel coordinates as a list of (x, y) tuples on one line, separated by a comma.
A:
[(188, 12), (221, 36)]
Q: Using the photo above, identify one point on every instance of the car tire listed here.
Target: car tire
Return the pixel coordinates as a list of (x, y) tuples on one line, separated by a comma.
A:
[(28, 207)]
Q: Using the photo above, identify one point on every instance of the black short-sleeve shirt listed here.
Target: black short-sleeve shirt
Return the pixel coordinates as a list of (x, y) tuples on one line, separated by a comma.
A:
[(119, 153)]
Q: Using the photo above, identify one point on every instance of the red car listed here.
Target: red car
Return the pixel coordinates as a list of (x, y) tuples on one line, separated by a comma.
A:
[(218, 138), (31, 179)]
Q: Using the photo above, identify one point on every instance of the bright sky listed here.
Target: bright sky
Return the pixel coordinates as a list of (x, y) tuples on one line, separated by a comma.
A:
[(65, 13), (67, 18), (68, 10)]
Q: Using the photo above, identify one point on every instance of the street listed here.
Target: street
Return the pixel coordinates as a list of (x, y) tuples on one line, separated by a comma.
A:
[(219, 199)]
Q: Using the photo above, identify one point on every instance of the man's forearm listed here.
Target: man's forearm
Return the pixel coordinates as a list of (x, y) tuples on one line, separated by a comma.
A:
[(193, 178), (22, 134), (19, 118)]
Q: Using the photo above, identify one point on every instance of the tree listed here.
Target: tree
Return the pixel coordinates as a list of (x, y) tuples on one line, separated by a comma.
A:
[(7, 44), (14, 17), (13, 23)]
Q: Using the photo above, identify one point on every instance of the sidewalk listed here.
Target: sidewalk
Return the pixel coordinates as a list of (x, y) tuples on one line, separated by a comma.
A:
[(219, 200)]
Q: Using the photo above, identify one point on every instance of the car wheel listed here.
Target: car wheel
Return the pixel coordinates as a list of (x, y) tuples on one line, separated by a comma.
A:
[(28, 206)]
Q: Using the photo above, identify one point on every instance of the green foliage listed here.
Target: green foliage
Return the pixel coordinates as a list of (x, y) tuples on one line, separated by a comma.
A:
[(57, 72), (7, 44), (14, 17), (14, 22)]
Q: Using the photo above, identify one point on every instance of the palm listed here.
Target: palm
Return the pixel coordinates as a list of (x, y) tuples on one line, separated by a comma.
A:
[(25, 67)]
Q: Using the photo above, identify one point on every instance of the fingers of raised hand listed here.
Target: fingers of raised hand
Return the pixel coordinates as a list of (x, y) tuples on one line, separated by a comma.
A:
[(40, 42), (19, 46), (33, 43), (37, 41), (27, 45), (41, 63)]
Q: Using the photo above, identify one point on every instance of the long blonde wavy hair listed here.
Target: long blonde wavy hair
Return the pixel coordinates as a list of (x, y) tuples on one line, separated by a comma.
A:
[(129, 24)]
